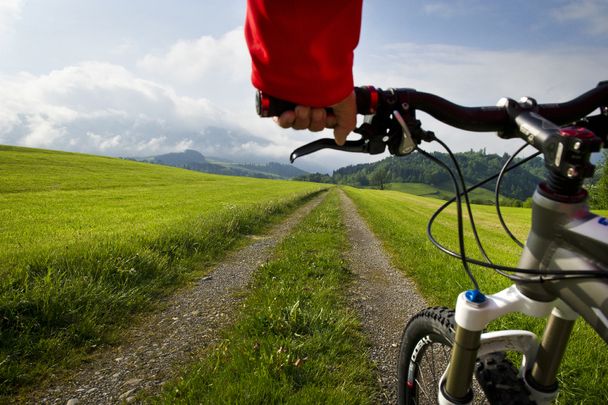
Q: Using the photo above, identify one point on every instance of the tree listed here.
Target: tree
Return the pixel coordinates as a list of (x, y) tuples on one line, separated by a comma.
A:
[(598, 193), (379, 176)]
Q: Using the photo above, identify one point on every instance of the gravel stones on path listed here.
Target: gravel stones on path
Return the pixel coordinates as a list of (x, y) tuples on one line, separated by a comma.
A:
[(384, 298), (154, 349)]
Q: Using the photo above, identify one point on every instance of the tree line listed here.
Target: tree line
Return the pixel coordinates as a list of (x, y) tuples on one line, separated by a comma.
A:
[(476, 166)]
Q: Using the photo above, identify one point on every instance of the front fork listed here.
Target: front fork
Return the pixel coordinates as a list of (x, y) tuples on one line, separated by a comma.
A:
[(540, 361)]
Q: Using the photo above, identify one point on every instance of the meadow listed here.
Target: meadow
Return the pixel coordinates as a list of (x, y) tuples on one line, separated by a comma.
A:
[(88, 241), (425, 190), (400, 221)]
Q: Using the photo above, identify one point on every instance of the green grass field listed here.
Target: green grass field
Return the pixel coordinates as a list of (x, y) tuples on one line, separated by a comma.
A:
[(400, 221), (297, 341), (425, 190), (86, 241)]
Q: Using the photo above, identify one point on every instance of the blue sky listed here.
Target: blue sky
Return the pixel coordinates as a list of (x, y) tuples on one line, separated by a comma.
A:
[(488, 24), (144, 77)]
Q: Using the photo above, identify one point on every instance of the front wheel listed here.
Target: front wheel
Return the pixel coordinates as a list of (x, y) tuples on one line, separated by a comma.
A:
[(426, 347)]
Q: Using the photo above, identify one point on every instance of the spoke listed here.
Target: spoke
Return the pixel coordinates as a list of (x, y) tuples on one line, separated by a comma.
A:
[(430, 366), (422, 390), (420, 379), (433, 371), (446, 355)]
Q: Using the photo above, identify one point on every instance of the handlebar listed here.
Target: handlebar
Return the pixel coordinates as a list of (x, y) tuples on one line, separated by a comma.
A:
[(479, 119), (393, 125)]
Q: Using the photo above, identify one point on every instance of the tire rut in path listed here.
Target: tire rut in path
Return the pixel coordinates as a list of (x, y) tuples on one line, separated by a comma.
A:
[(191, 320), (383, 297)]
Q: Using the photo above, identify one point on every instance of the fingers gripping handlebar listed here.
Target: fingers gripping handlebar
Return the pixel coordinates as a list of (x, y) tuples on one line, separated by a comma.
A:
[(381, 129), (384, 130), (269, 106)]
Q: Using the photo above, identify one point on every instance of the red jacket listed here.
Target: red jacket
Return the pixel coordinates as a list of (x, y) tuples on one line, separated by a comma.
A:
[(302, 50)]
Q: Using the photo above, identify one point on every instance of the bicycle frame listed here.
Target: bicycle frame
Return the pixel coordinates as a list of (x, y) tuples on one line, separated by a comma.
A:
[(563, 236)]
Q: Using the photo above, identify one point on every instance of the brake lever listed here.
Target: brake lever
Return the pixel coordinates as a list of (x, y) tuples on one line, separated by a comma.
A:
[(372, 141), (328, 143), (377, 134)]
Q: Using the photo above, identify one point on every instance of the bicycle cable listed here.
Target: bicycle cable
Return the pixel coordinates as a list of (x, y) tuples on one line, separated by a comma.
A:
[(497, 195), (467, 201), (500, 269), (459, 215)]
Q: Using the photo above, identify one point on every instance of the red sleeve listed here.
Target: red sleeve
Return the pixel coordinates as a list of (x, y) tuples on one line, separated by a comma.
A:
[(302, 50)]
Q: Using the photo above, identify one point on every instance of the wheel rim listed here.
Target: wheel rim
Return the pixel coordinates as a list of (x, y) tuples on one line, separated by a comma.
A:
[(429, 360)]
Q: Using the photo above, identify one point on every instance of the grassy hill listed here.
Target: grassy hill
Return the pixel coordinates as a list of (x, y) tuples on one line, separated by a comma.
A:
[(194, 160), (416, 168), (86, 241)]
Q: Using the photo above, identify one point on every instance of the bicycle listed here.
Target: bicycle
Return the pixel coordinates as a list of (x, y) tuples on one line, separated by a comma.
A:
[(563, 269)]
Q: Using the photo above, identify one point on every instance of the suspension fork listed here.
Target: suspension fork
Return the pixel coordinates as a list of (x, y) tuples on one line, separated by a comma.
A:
[(457, 387), (542, 376), (473, 313)]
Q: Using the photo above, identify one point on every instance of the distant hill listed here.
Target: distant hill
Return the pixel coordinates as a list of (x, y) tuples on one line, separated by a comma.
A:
[(415, 168), (180, 159), (194, 160)]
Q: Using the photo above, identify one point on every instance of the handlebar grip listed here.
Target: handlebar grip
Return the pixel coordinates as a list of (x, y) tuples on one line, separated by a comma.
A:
[(270, 106)]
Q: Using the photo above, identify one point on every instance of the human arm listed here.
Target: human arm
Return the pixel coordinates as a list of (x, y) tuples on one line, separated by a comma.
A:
[(302, 51)]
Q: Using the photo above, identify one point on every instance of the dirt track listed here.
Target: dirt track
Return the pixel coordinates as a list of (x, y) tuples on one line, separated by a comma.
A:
[(384, 298)]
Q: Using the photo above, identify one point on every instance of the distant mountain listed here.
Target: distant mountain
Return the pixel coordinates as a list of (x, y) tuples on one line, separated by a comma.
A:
[(180, 159), (194, 160)]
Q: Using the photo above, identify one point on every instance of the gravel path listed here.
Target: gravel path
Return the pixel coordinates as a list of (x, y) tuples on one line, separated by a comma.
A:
[(154, 350), (383, 297)]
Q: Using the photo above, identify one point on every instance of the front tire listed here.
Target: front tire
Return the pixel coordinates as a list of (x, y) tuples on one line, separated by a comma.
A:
[(425, 351), (426, 346)]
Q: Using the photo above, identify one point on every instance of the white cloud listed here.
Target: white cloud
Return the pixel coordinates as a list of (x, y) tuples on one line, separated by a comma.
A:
[(102, 108), (218, 68), (41, 133), (178, 98), (104, 142), (207, 63), (106, 109), (10, 11), (474, 77), (590, 15)]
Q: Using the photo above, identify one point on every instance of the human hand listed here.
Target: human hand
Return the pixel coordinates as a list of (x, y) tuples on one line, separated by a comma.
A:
[(343, 120)]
